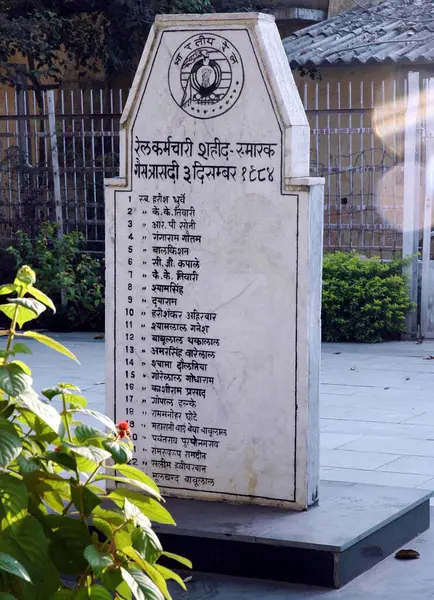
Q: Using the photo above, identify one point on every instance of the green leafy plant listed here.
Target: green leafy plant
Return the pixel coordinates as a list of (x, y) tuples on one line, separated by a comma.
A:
[(71, 277), (364, 299), (62, 535)]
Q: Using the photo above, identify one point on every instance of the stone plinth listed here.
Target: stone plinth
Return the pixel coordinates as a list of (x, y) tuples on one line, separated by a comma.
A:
[(214, 246)]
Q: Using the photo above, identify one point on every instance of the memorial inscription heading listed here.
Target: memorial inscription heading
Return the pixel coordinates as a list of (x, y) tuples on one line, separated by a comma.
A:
[(205, 270)]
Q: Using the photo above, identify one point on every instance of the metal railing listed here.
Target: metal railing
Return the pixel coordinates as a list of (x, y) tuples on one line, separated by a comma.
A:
[(55, 154), (54, 157), (361, 163)]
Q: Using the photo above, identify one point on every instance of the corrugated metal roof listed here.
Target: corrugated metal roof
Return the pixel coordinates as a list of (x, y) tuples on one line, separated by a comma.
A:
[(398, 31)]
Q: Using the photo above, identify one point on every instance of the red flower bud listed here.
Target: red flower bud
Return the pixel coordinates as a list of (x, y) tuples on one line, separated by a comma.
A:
[(123, 428)]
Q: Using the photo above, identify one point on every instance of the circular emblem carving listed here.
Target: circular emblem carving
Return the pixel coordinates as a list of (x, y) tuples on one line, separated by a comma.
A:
[(206, 75)]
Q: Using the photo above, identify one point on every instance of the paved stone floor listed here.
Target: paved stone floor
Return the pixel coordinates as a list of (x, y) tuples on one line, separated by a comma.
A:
[(377, 427), (377, 405), (377, 414)]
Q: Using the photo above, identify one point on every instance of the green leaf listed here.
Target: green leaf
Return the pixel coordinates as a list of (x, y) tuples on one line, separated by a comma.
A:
[(134, 473), (43, 433), (75, 400), (40, 482), (26, 465), (30, 537), (112, 578), (178, 558), (41, 297), (23, 314), (25, 275), (123, 538), (50, 393), (100, 417), (6, 424), (52, 480), (46, 412), (8, 288), (54, 501), (134, 514), (32, 447), (85, 465), (22, 366), (169, 574), (97, 592), (64, 594), (20, 348), (6, 596), (96, 489), (124, 591), (11, 565), (84, 433), (10, 446), (120, 452), (149, 507), (141, 586), (149, 569), (141, 542), (112, 517), (28, 303), (69, 386), (153, 538), (13, 380), (134, 586), (47, 341), (103, 526), (138, 484), (13, 497), (145, 546), (26, 541), (69, 539), (90, 452), (9, 311), (61, 458), (96, 560), (84, 499), (28, 309), (7, 407)]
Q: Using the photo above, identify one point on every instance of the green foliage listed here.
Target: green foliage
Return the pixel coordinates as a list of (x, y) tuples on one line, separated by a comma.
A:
[(65, 272), (89, 35), (61, 536), (364, 300)]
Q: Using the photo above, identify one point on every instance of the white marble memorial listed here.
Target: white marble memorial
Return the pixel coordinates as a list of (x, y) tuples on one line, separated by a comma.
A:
[(214, 248)]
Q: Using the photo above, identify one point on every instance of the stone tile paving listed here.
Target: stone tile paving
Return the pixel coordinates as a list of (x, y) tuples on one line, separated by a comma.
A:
[(377, 423), (377, 414), (377, 405)]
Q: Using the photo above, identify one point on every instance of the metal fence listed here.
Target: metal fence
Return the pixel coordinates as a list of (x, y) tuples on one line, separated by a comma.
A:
[(55, 154), (357, 145)]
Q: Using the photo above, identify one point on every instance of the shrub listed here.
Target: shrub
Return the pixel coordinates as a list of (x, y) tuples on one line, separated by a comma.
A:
[(67, 273), (364, 300), (57, 525)]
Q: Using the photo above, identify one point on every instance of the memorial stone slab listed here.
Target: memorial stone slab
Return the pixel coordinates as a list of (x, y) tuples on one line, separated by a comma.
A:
[(214, 248)]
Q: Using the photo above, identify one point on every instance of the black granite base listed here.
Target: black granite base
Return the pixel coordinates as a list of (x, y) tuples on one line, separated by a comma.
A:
[(354, 527)]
